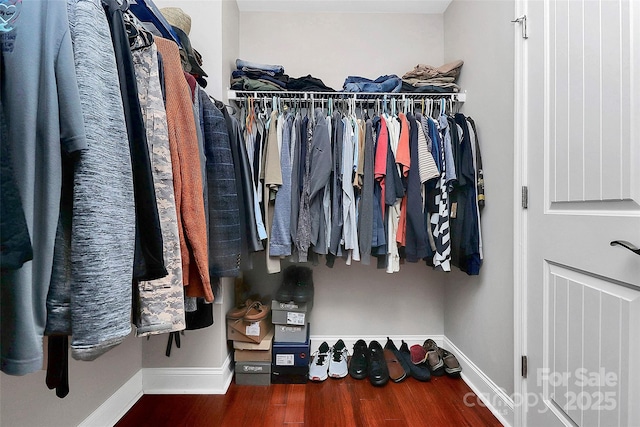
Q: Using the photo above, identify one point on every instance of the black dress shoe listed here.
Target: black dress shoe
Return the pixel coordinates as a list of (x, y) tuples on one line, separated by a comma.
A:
[(358, 366), (378, 371)]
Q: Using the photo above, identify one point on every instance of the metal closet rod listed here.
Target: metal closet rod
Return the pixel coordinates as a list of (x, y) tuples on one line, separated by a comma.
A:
[(357, 96)]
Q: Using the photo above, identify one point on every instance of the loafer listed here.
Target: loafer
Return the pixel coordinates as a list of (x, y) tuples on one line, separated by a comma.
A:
[(378, 372), (359, 363), (451, 365), (390, 346), (396, 371), (434, 360), (419, 372)]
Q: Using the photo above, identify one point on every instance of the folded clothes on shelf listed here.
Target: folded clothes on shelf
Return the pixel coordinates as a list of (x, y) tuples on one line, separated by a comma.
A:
[(386, 83), (426, 78), (276, 69)]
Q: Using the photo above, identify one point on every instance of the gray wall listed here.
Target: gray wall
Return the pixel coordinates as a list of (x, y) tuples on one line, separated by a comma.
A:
[(332, 46), (478, 312), (26, 401)]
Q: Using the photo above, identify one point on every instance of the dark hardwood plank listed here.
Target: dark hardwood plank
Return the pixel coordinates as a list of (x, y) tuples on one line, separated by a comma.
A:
[(294, 412), (343, 402)]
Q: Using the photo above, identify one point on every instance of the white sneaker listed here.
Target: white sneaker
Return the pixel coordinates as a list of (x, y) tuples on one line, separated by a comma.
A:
[(338, 364), (318, 369)]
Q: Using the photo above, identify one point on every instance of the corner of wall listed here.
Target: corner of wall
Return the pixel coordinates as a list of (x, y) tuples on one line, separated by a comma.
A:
[(479, 310)]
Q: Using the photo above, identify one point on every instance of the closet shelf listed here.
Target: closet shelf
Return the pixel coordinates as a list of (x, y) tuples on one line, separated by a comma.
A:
[(357, 96)]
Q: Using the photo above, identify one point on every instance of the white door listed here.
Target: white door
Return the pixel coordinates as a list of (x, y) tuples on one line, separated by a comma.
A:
[(583, 175)]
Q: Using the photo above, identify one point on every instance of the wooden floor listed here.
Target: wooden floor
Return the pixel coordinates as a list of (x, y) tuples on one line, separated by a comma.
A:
[(443, 401)]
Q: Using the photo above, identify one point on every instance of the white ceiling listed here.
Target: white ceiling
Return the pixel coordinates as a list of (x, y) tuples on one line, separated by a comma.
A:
[(345, 6)]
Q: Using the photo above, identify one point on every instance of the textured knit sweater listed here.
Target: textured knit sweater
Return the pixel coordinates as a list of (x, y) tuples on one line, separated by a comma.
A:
[(187, 179), (90, 292)]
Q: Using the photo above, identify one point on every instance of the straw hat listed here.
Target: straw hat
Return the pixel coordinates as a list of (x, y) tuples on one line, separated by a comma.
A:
[(176, 17)]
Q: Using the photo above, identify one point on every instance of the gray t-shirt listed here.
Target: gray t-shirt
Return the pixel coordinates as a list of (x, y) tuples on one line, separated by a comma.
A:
[(42, 107)]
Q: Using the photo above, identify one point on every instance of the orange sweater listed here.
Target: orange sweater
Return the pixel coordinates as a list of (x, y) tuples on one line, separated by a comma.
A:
[(187, 178)]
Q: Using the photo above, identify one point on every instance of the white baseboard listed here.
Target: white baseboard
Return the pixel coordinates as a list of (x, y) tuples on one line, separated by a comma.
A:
[(114, 408), (493, 397), (188, 380)]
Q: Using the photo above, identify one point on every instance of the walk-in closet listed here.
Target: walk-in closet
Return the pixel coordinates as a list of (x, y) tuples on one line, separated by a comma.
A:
[(528, 276)]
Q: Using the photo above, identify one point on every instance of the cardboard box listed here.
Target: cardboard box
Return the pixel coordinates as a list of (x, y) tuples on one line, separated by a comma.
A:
[(253, 379), (290, 313), (265, 344), (252, 355), (253, 368), (254, 352), (289, 374), (253, 373), (291, 354), (291, 334), (253, 332)]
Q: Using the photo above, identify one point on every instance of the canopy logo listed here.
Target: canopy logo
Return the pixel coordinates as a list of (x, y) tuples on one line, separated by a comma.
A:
[(9, 13)]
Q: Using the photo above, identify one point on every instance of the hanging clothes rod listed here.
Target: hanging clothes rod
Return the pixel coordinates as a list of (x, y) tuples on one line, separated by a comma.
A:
[(357, 96)]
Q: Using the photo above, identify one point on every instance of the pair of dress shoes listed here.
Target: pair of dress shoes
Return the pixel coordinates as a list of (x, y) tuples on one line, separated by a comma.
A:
[(369, 361)]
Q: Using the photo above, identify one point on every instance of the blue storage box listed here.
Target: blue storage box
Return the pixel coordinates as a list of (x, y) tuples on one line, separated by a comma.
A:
[(291, 353)]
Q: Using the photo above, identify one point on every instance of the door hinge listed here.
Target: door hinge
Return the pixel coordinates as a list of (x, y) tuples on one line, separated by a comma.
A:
[(524, 366), (525, 197)]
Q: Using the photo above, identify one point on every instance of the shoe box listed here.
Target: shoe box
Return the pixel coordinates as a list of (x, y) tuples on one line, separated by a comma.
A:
[(252, 332), (290, 362), (291, 353), (289, 374), (253, 373), (290, 313), (254, 352), (291, 333)]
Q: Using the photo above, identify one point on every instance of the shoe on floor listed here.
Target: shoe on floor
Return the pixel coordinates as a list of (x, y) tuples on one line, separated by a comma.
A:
[(451, 365), (406, 363), (418, 355), (419, 372), (358, 365), (378, 372), (434, 360), (397, 369), (319, 367), (338, 361)]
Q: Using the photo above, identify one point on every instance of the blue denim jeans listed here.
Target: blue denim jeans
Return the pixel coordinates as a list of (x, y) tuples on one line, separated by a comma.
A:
[(387, 83), (277, 69)]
